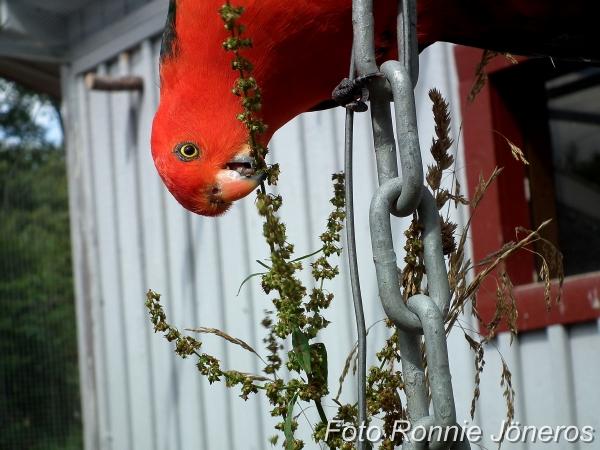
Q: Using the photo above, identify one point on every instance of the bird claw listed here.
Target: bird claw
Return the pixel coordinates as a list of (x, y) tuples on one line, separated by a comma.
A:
[(345, 94), (357, 106)]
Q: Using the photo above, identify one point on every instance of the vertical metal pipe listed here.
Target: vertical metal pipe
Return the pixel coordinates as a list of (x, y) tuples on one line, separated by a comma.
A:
[(363, 24), (408, 45), (353, 266)]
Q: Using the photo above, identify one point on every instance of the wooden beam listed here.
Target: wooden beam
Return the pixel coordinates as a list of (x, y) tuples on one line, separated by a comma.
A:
[(42, 77), (107, 83)]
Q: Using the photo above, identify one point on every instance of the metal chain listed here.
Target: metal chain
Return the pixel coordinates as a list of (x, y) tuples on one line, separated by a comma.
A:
[(421, 314)]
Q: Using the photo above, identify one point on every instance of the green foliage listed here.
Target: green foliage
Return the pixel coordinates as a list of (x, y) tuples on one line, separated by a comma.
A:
[(296, 313), (295, 316), (247, 89), (39, 383), (300, 315)]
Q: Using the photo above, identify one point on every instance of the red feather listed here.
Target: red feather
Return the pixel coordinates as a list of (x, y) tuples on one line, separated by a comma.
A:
[(301, 52)]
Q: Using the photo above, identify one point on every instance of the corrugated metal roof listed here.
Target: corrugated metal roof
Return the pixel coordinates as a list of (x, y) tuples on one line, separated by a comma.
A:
[(46, 30)]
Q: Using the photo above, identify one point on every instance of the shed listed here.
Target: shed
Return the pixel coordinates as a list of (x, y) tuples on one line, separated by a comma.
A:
[(129, 235)]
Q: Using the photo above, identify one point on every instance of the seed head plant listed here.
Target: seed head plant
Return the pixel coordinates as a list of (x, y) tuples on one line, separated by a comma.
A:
[(300, 314)]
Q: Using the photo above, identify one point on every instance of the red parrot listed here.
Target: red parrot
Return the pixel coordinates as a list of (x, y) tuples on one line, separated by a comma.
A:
[(301, 52)]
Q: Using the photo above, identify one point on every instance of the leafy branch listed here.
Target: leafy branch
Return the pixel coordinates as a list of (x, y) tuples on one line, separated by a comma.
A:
[(300, 315)]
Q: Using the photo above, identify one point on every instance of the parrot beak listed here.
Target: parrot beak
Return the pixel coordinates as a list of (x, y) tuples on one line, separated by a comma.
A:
[(237, 179)]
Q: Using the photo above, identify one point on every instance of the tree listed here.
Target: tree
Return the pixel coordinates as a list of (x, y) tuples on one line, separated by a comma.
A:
[(39, 385)]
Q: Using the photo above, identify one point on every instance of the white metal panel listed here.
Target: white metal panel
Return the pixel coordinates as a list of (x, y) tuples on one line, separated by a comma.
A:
[(131, 235), (152, 233), (129, 230), (584, 342), (144, 236), (561, 371), (89, 340), (104, 215)]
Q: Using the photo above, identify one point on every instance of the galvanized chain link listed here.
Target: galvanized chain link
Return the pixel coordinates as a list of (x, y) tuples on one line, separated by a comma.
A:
[(421, 314)]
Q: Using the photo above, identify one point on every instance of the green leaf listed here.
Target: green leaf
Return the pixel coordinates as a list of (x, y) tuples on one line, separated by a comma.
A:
[(322, 352), (263, 264), (246, 279), (301, 349), (306, 256), (287, 426)]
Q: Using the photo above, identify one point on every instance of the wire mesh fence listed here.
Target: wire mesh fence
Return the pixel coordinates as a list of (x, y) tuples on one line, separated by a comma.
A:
[(39, 385)]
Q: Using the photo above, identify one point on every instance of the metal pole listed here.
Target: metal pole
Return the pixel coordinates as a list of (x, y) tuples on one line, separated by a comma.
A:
[(353, 264)]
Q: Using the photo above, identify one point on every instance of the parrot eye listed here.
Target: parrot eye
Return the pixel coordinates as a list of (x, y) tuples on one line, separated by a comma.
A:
[(187, 151)]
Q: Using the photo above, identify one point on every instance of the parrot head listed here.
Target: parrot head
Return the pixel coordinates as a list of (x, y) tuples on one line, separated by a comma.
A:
[(203, 160), (199, 145)]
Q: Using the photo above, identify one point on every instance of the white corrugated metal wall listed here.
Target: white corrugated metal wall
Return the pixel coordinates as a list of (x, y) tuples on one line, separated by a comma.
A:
[(129, 235)]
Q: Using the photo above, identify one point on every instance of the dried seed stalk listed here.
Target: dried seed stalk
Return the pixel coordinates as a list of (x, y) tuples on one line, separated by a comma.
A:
[(480, 77)]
